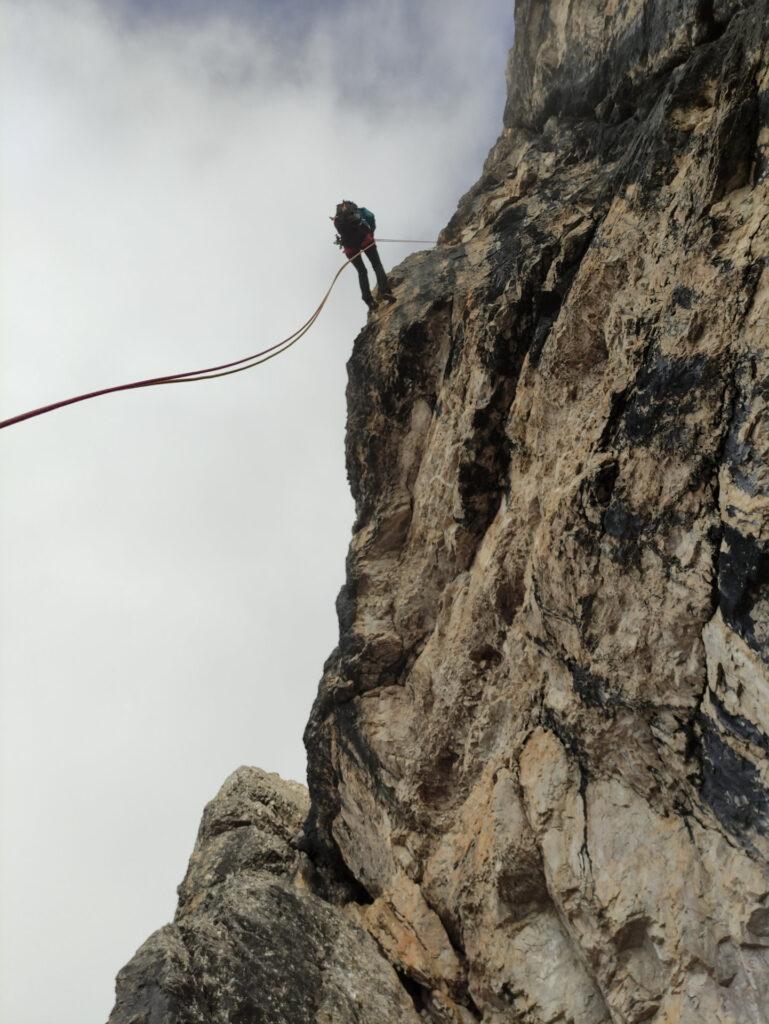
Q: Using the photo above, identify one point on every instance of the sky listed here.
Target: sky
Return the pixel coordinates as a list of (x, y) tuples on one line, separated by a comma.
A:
[(170, 557)]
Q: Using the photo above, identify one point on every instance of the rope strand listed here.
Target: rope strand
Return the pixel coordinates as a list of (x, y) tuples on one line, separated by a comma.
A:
[(211, 372)]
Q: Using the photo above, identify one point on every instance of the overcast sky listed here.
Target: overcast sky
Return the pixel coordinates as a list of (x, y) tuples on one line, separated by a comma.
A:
[(170, 557)]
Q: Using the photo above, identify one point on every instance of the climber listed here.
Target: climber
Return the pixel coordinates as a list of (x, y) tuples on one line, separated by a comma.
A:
[(355, 227)]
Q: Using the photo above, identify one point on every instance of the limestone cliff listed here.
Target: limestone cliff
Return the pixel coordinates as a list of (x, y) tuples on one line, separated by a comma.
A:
[(538, 758)]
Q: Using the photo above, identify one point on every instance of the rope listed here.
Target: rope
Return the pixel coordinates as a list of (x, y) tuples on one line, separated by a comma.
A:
[(211, 372)]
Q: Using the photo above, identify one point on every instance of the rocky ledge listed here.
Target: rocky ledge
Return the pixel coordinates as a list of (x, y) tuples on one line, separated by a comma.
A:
[(538, 757)]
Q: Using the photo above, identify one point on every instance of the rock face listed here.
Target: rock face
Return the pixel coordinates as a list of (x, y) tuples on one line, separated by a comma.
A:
[(538, 758), (249, 942)]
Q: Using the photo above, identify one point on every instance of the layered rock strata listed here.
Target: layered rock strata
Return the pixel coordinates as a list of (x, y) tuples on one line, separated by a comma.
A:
[(538, 758)]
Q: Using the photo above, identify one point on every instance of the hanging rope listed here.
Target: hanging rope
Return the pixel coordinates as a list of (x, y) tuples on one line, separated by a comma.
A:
[(211, 372)]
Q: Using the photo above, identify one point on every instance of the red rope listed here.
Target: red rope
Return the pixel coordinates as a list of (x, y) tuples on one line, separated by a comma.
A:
[(222, 370)]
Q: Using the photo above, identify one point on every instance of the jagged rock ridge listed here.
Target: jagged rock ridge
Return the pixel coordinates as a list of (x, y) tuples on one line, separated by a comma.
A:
[(250, 942), (538, 757)]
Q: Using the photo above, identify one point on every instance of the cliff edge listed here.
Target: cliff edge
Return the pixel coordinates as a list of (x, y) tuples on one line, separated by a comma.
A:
[(538, 775)]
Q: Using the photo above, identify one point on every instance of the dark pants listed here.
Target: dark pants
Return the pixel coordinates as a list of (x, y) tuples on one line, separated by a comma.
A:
[(381, 277)]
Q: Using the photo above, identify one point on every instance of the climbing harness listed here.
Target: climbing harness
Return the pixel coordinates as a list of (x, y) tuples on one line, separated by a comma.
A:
[(212, 372)]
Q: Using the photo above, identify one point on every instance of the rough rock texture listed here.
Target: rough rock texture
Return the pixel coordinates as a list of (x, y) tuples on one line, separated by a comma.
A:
[(538, 757), (250, 944)]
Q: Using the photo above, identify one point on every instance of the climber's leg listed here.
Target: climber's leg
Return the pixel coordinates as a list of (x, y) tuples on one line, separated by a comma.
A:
[(365, 288), (379, 270)]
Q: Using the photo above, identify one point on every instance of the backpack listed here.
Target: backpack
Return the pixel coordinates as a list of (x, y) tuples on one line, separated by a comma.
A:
[(368, 217), (348, 213)]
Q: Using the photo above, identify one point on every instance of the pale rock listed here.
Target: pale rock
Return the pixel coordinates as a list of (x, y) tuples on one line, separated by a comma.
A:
[(247, 942), (539, 757)]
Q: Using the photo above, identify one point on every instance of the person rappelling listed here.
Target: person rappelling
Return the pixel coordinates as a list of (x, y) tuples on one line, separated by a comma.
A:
[(355, 226)]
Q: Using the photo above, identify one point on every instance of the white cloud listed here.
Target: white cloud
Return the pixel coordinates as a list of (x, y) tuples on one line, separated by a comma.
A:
[(171, 557)]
